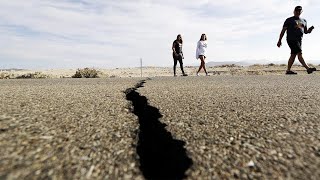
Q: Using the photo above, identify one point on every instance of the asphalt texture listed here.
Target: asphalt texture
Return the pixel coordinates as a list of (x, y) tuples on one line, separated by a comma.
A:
[(216, 127)]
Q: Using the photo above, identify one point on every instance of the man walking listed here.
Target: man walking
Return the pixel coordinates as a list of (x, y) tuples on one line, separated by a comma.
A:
[(295, 27)]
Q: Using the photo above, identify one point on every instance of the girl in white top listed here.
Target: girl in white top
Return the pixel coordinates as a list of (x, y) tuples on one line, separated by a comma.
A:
[(201, 53)]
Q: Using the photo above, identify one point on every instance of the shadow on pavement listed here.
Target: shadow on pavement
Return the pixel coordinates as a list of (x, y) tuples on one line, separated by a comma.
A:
[(161, 156)]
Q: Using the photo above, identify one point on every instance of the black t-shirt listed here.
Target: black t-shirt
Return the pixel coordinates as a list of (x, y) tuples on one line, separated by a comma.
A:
[(295, 27), (177, 46)]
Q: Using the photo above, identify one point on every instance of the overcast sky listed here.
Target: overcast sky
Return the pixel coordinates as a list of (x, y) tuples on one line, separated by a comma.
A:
[(117, 33)]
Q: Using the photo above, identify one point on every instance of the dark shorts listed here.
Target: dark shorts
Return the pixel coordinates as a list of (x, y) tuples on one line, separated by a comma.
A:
[(201, 55), (295, 46)]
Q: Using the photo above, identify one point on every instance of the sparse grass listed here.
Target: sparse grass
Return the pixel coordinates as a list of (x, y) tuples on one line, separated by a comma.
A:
[(297, 65), (228, 65), (190, 66), (255, 72), (86, 73), (256, 65)]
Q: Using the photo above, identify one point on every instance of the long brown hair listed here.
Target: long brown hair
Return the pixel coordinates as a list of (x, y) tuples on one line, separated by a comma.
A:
[(203, 39), (179, 40)]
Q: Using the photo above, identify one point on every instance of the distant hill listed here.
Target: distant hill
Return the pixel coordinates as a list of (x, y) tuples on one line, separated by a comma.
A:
[(12, 69)]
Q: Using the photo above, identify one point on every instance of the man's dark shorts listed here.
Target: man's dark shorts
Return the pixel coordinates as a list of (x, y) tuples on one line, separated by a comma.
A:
[(295, 46)]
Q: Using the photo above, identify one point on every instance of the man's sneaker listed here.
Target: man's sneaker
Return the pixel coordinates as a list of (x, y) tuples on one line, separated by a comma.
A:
[(291, 72), (310, 70), (184, 74)]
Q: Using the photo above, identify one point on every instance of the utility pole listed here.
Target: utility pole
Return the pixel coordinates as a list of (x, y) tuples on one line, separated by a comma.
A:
[(141, 66)]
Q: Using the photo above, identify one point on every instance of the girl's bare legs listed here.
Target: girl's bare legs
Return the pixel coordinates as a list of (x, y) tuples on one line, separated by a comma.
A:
[(199, 68), (202, 58), (201, 64)]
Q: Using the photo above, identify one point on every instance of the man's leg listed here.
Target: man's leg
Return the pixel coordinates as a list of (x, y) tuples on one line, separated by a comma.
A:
[(291, 61), (309, 70), (302, 61)]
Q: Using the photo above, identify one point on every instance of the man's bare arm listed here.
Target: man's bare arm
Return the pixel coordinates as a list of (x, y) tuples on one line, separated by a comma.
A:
[(308, 31), (281, 36)]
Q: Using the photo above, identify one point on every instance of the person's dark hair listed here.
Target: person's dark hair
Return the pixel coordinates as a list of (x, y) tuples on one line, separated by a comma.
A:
[(179, 40), (298, 8), (203, 37)]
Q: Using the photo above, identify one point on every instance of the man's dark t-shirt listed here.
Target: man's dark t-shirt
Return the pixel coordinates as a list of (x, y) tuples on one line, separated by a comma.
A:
[(295, 28)]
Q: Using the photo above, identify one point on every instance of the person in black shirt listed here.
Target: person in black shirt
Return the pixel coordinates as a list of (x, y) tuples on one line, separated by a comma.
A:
[(295, 27), (177, 54)]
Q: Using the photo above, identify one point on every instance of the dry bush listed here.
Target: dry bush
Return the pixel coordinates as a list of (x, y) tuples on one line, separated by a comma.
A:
[(86, 73), (271, 64), (6, 75), (35, 75), (283, 65)]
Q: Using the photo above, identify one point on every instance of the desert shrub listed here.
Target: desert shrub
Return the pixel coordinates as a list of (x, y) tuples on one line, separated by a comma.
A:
[(5, 75), (271, 64), (35, 75), (283, 65), (86, 73)]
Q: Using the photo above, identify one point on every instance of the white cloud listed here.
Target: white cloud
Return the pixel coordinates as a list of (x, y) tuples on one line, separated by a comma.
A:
[(117, 33)]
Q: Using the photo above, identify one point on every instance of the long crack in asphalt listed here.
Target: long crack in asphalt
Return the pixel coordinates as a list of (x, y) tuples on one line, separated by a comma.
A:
[(160, 156)]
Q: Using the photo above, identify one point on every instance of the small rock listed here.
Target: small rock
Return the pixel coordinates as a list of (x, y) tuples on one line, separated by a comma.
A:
[(250, 164), (272, 152)]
